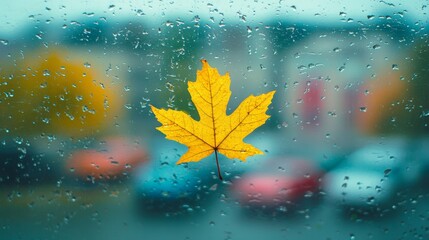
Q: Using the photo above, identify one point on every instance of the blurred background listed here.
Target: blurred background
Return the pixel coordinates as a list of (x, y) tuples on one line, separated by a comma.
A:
[(346, 150)]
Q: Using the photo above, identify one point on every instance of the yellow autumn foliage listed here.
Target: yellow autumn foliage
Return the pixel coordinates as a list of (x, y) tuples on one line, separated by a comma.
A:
[(53, 92)]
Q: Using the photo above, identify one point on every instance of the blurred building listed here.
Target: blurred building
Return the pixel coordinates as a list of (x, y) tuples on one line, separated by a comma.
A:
[(326, 85)]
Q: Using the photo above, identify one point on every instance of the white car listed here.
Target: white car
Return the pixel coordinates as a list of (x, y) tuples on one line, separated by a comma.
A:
[(372, 175)]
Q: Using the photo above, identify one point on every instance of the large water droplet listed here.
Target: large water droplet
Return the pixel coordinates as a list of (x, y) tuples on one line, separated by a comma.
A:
[(4, 42)]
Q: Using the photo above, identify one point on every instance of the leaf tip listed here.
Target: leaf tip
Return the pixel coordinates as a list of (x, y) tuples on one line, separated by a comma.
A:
[(205, 63), (153, 108), (270, 95), (181, 161)]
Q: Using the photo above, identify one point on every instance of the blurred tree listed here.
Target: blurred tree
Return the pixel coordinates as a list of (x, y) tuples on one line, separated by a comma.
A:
[(381, 103), (417, 108), (51, 92), (397, 102)]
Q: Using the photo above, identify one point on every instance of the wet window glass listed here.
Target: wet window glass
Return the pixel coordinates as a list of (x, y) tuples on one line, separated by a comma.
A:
[(214, 120)]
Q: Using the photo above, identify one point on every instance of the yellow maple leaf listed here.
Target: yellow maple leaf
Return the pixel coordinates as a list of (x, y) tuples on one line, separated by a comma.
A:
[(215, 131)]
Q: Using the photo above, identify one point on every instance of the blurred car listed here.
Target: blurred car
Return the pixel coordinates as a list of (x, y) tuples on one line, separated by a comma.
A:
[(164, 186), (282, 183), (22, 163), (112, 160), (372, 175)]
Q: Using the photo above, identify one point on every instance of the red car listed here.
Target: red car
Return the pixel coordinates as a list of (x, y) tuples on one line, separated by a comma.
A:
[(283, 181), (117, 157)]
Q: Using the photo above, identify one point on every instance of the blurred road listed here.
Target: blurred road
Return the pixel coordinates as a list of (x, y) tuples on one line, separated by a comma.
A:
[(112, 212)]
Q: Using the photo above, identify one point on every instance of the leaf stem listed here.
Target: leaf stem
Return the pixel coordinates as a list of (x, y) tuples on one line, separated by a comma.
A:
[(218, 167)]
